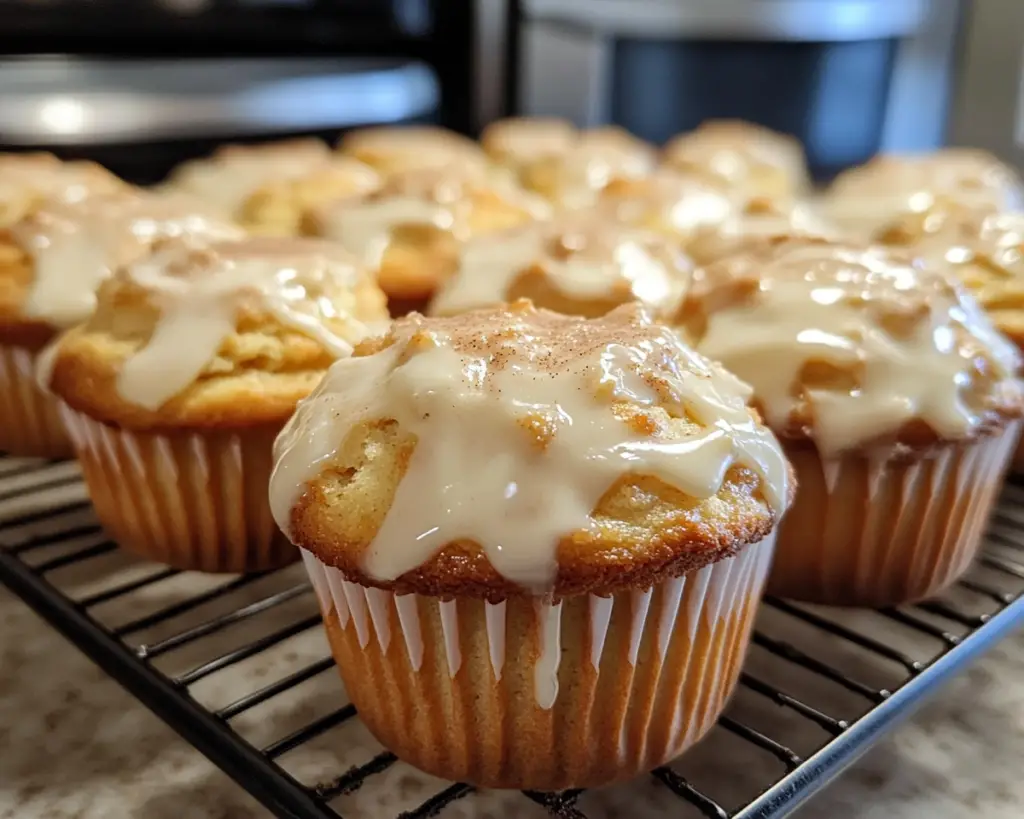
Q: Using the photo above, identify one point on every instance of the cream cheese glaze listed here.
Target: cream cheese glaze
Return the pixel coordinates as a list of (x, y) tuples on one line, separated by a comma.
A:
[(521, 420), (848, 345), (669, 202), (583, 256), (75, 246), (200, 292)]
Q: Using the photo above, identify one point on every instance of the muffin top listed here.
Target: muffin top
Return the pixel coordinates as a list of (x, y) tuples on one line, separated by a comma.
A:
[(225, 336), (27, 180), (572, 179), (392, 149), (854, 348), (278, 208), (868, 197), (517, 451), (517, 141), (578, 264), (53, 260), (983, 248), (752, 160), (227, 177), (410, 229)]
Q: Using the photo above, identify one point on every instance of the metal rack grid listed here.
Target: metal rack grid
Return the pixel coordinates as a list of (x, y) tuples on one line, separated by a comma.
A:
[(819, 687)]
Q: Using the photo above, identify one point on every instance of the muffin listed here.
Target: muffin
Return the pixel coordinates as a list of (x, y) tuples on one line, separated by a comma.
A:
[(538, 541), (984, 249), (28, 180), (393, 149), (232, 173), (753, 161), (866, 198), (573, 179), (754, 222), (518, 141), (581, 265), (410, 231), (895, 399), (174, 389), (278, 208), (51, 263)]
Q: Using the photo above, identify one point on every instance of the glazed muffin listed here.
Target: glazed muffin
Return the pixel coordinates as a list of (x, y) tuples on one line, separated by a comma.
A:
[(756, 221), (750, 160), (396, 149), (573, 179), (28, 180), (581, 265), (278, 208), (410, 231), (867, 198), (896, 401), (538, 541), (232, 173), (51, 263), (516, 142), (174, 389)]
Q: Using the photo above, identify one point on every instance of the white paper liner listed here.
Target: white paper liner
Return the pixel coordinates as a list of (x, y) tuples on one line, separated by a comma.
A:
[(30, 425), (874, 534), (192, 501)]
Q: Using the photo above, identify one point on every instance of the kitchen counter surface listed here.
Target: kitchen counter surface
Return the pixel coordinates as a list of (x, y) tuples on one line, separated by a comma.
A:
[(74, 745)]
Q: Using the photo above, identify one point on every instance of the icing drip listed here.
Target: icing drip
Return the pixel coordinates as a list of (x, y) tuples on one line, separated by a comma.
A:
[(518, 416)]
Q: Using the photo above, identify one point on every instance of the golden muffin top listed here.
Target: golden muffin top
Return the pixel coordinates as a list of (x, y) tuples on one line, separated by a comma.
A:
[(578, 264), (868, 197), (517, 451), (228, 176), (573, 179), (852, 347), (53, 260), (517, 141), (278, 208), (395, 148), (750, 159), (27, 180), (231, 334), (983, 248)]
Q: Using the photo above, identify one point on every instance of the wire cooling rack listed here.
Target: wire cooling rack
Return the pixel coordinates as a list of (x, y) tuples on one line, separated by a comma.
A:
[(238, 666)]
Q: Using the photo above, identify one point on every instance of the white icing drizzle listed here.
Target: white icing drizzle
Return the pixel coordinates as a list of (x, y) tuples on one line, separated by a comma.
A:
[(545, 671), (74, 247), (903, 338), (583, 257), (301, 282), (514, 413), (669, 202)]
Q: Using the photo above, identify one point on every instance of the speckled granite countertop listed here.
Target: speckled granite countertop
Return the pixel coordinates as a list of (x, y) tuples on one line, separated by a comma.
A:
[(73, 744)]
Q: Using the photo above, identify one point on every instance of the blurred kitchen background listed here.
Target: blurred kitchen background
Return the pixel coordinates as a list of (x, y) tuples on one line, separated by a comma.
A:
[(142, 84)]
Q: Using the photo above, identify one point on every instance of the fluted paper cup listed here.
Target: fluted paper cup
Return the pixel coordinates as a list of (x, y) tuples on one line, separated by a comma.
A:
[(866, 532), (30, 424), (192, 501), (532, 694)]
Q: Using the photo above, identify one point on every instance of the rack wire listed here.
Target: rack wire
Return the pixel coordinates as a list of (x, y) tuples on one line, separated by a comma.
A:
[(238, 666)]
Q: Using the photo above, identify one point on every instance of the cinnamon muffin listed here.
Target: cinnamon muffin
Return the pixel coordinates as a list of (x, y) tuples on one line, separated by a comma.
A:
[(410, 231), (753, 161), (867, 198), (581, 265), (517, 141), (538, 541), (28, 180), (174, 389), (232, 173), (895, 399), (394, 149), (278, 208), (51, 263), (574, 178)]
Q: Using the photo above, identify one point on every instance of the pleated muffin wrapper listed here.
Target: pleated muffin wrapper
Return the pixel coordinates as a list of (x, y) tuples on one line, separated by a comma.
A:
[(527, 693), (874, 532), (193, 501), (30, 423)]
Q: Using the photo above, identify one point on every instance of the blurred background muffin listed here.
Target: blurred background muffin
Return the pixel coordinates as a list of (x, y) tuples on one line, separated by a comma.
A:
[(392, 150)]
